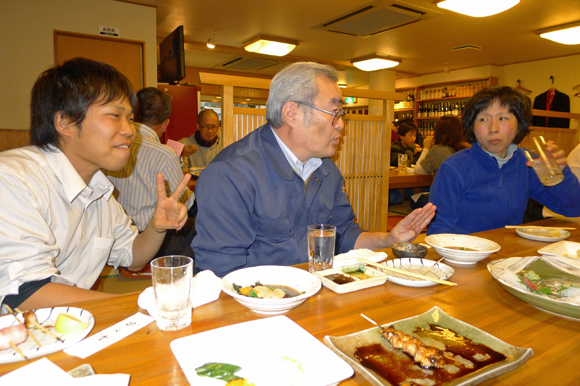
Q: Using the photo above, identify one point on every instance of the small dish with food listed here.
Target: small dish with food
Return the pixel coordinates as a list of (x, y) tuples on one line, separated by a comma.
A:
[(351, 278), (462, 249), (404, 250), (562, 248), (269, 289)]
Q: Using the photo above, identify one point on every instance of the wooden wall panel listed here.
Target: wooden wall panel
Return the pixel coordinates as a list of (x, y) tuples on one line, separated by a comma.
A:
[(10, 139)]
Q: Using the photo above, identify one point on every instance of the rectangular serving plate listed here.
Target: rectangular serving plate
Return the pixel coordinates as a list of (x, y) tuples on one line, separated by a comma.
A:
[(562, 248), (379, 278), (345, 346)]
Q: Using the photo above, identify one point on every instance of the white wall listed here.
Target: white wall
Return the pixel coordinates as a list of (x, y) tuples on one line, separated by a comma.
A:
[(27, 43)]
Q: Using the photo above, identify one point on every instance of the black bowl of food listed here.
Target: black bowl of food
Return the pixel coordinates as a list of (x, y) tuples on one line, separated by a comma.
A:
[(402, 250)]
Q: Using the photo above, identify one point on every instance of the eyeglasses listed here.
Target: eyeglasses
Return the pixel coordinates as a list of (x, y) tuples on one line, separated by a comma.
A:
[(339, 114), (210, 127)]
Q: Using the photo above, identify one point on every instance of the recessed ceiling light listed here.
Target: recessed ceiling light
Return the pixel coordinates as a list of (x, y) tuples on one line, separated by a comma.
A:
[(565, 34), (375, 62), (270, 46), (477, 8)]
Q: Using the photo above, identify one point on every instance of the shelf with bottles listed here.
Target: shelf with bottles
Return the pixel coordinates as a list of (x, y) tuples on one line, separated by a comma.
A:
[(409, 103), (464, 89), (434, 110)]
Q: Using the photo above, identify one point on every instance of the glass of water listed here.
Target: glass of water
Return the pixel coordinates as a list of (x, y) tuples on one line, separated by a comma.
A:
[(172, 277), (545, 166), (321, 240)]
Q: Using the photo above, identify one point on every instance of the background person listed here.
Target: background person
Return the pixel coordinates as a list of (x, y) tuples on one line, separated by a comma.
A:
[(60, 223), (260, 193), (406, 143), (135, 184), (488, 186), (204, 144)]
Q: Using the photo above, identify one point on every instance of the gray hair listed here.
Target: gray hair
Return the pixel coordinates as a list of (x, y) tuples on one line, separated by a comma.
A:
[(296, 83)]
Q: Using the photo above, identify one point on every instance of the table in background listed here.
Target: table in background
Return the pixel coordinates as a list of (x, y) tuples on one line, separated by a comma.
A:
[(477, 300), (398, 180)]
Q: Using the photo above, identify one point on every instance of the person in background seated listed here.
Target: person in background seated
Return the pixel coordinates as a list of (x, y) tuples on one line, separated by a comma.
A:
[(573, 160), (204, 144), (258, 196), (406, 143), (60, 223), (447, 140), (135, 184), (488, 186)]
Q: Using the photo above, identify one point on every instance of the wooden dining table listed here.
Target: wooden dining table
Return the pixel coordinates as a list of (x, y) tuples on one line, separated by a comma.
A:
[(402, 180), (477, 299)]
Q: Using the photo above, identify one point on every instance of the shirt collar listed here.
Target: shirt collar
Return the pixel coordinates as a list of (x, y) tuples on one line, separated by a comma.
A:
[(71, 181), (502, 161), (304, 170), (146, 131)]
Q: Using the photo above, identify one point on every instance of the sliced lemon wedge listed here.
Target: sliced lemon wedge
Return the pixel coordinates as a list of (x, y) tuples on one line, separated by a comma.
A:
[(68, 323)]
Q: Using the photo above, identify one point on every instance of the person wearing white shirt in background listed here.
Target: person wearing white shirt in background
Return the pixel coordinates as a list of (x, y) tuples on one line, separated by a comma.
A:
[(60, 224), (204, 144)]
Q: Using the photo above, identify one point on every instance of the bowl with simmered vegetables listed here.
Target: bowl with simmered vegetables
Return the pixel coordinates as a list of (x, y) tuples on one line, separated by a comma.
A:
[(462, 249), (271, 289)]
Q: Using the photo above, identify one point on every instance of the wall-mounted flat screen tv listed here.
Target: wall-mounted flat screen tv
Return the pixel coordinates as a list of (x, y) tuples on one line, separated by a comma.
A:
[(172, 57)]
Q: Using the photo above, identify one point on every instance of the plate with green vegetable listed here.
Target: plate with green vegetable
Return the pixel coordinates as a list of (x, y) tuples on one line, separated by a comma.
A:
[(548, 282)]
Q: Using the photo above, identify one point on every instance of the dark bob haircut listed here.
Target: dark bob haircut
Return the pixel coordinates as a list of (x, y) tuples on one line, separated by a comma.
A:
[(404, 126), (449, 132), (518, 104), (71, 88)]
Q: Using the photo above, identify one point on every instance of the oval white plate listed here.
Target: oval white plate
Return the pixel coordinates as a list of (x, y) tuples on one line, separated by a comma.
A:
[(46, 317), (542, 234), (411, 264)]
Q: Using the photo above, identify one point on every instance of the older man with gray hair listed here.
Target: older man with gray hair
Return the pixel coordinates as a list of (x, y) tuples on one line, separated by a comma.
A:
[(279, 179)]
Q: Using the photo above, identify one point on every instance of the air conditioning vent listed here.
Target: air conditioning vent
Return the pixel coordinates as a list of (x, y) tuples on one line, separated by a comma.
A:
[(375, 18), (253, 64), (466, 47)]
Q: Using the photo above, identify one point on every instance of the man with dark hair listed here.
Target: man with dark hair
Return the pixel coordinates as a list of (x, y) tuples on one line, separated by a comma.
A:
[(406, 143), (60, 224), (204, 144), (135, 183), (259, 194)]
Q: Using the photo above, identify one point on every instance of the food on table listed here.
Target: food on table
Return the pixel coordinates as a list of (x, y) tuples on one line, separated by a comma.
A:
[(340, 278), (67, 323), (30, 319), (462, 249), (13, 336), (223, 371), (267, 291), (426, 356), (457, 356)]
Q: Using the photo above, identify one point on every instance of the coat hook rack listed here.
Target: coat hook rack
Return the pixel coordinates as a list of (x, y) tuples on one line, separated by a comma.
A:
[(552, 78), (520, 87)]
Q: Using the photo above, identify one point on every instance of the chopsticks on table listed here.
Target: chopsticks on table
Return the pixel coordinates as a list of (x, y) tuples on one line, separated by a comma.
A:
[(403, 272), (537, 227)]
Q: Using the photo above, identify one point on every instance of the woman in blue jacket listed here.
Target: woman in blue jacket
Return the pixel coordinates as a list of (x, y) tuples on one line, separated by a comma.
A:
[(488, 186)]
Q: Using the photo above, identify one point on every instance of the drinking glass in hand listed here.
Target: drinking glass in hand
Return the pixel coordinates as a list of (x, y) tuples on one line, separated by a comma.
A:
[(172, 276), (546, 167), (321, 239)]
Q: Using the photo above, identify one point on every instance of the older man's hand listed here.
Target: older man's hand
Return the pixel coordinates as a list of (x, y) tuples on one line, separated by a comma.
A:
[(409, 228), (189, 150)]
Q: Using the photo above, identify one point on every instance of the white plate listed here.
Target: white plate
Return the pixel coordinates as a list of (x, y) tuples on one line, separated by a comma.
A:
[(562, 248), (543, 234), (377, 278), (440, 271), (46, 317), (271, 351), (444, 244)]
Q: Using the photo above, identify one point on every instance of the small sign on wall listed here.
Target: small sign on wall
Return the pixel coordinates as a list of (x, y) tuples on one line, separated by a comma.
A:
[(108, 31)]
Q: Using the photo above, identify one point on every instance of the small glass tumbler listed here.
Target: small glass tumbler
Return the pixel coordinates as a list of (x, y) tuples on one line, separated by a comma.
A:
[(321, 240), (403, 162), (545, 166)]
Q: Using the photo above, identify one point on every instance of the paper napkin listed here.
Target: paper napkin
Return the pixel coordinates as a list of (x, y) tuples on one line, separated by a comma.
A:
[(350, 257), (176, 146), (206, 288)]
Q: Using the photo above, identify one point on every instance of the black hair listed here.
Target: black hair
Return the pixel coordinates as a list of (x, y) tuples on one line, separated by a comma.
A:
[(71, 88), (404, 126), (154, 106), (518, 104)]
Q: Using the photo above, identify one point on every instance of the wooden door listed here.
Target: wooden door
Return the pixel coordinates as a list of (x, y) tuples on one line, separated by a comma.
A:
[(125, 55)]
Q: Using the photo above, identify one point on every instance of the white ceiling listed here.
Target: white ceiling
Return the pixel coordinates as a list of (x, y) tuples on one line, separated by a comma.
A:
[(423, 46)]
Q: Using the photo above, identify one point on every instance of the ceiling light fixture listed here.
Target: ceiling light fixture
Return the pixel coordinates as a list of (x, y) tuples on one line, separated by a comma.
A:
[(565, 34), (375, 62), (270, 46), (210, 42), (477, 8)]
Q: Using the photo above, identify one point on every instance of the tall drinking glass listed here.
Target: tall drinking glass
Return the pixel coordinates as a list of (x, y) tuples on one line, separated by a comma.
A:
[(546, 167), (403, 162), (172, 277), (321, 239)]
